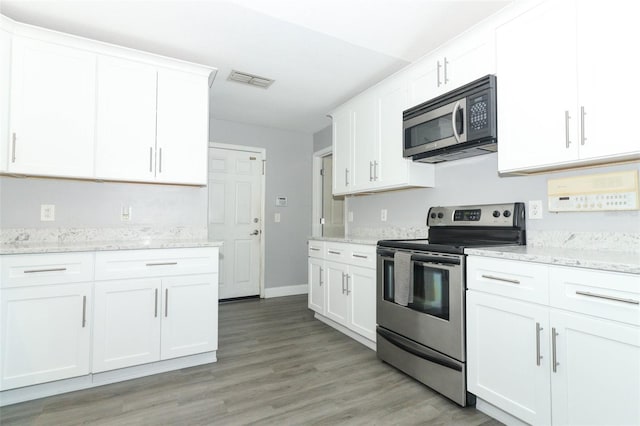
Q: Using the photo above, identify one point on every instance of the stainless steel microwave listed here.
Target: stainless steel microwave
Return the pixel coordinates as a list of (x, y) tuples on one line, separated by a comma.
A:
[(459, 124)]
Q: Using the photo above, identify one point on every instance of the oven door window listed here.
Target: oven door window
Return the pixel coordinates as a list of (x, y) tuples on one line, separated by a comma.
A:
[(387, 272), (430, 290), (434, 130)]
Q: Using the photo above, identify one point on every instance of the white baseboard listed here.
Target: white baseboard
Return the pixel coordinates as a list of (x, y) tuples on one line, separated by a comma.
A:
[(287, 290), (355, 336)]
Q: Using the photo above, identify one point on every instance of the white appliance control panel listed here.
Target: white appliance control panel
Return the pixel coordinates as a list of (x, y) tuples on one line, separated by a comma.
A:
[(601, 192)]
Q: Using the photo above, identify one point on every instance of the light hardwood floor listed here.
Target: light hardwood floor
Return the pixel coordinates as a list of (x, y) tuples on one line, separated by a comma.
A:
[(277, 365)]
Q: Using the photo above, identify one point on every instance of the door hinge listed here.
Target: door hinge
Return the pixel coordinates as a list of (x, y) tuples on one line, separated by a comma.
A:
[(322, 221), (321, 172)]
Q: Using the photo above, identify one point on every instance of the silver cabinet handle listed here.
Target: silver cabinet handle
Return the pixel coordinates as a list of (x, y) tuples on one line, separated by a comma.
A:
[(554, 356), (150, 159), (538, 356), (370, 171), (160, 163), (13, 148), (36, 271), (166, 302), (162, 264), (347, 280), (314, 249), (320, 274), (604, 296), (438, 72), (375, 170), (359, 256), (155, 309), (583, 138), (567, 117), (346, 177), (84, 311), (334, 252), (446, 79), (343, 283), (506, 280)]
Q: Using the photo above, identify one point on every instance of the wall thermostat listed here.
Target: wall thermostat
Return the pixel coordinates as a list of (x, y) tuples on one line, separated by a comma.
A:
[(281, 201)]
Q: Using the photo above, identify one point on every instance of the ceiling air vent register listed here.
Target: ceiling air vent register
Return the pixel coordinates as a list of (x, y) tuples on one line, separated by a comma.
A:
[(250, 79)]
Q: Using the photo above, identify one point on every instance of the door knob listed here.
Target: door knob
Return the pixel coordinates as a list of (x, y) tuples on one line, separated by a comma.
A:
[(255, 232)]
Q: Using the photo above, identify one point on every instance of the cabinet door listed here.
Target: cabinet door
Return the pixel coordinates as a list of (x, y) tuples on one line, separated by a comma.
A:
[(606, 75), (126, 120), (364, 141), (361, 289), (337, 307), (425, 80), (597, 378), (126, 323), (45, 334), (189, 315), (502, 361), (316, 285), (342, 145), (391, 167), (471, 59), (183, 128), (5, 89), (536, 73), (52, 110)]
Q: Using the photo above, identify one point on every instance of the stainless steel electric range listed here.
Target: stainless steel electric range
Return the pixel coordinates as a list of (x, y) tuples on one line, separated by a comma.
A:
[(421, 292)]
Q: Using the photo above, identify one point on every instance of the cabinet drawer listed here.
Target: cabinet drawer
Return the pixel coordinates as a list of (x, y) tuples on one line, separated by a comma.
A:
[(155, 263), (610, 295), (509, 278), (316, 248), (362, 255), (337, 252), (41, 269)]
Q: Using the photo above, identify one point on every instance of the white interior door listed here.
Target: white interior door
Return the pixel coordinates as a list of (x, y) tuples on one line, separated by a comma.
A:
[(235, 217)]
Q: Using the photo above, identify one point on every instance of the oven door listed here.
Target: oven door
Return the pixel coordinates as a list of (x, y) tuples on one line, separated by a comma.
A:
[(436, 128), (433, 313)]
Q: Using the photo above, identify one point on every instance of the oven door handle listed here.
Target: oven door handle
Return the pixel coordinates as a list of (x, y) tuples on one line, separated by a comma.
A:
[(386, 253), (435, 259), (415, 350)]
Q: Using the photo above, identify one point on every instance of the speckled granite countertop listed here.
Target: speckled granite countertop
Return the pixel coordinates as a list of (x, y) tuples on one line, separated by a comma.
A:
[(607, 260), (365, 241), (51, 247)]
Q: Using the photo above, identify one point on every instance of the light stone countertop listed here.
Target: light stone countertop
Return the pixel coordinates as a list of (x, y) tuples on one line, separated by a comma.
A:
[(364, 241), (606, 260), (23, 247)]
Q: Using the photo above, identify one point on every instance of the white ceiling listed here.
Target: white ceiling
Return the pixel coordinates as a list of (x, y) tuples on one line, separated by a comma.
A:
[(320, 52)]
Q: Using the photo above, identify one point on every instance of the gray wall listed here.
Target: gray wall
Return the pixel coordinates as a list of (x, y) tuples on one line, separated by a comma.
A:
[(289, 172), (322, 139), (476, 181), (86, 204)]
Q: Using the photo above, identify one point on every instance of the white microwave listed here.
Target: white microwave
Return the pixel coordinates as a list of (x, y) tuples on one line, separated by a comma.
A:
[(459, 124)]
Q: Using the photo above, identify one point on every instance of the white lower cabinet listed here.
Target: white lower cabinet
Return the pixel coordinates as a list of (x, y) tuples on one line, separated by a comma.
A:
[(569, 358), (45, 334), (342, 285)]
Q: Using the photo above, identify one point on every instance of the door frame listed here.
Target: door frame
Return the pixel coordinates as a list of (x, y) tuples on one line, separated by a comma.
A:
[(316, 191), (263, 186)]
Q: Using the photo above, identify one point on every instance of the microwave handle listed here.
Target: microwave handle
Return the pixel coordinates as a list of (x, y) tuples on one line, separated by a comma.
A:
[(456, 107)]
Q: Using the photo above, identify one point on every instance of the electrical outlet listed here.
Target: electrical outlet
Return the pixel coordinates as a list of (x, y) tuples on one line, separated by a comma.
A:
[(276, 217), (125, 213), (535, 209), (383, 215), (47, 212)]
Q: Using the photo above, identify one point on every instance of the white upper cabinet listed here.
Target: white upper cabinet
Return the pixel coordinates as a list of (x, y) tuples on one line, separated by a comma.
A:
[(126, 120), (461, 61), (367, 142), (77, 108), (564, 94), (183, 127), (52, 110)]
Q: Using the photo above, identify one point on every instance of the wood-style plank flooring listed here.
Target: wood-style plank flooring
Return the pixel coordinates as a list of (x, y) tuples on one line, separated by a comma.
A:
[(277, 365)]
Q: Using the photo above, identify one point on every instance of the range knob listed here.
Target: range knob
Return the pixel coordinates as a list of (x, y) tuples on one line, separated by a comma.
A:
[(506, 213), (433, 215), (496, 213), (440, 215)]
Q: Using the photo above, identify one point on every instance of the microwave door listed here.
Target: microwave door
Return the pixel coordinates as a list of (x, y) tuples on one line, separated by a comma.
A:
[(459, 120), (435, 129)]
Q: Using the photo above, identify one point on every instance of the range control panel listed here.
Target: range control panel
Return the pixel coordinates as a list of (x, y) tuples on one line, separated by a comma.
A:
[(510, 214)]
